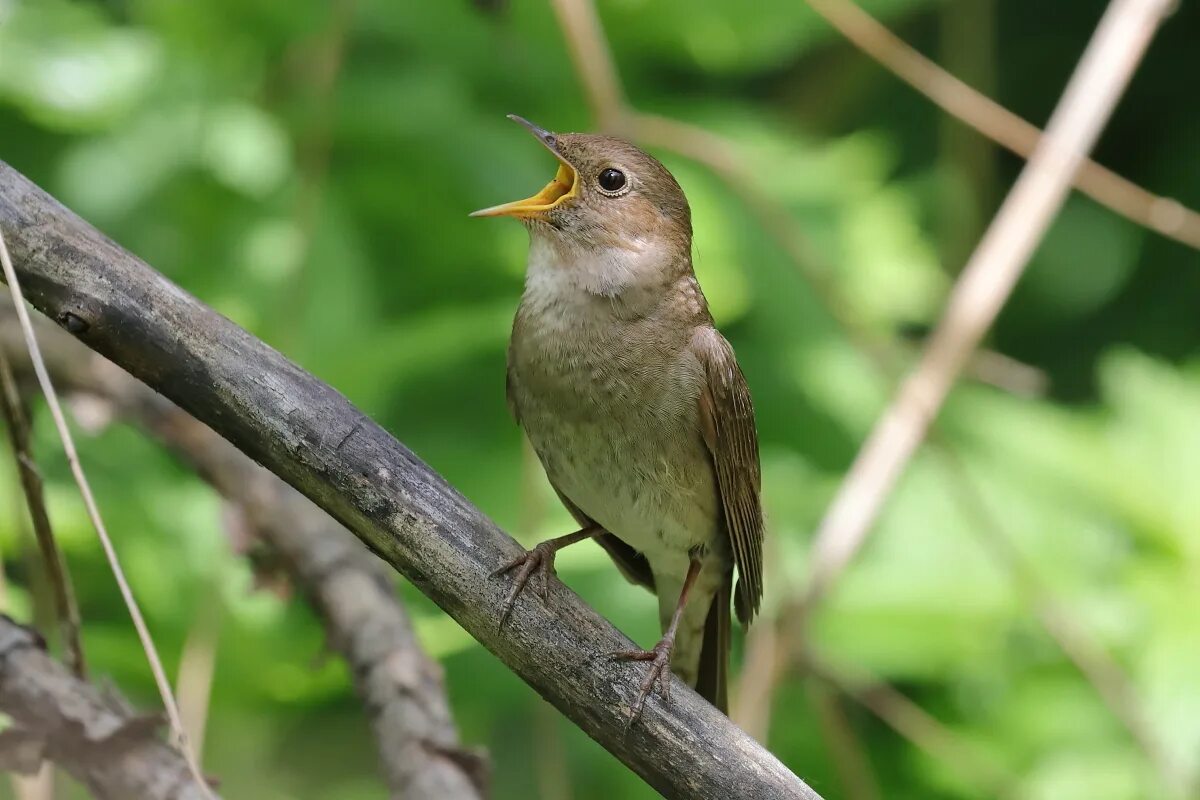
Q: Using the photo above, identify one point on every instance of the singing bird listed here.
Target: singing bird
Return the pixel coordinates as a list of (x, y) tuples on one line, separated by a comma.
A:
[(635, 403)]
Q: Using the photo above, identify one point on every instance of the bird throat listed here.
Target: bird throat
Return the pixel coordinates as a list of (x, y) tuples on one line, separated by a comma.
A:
[(560, 264)]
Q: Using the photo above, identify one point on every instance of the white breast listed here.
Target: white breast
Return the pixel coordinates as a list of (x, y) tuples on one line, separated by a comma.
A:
[(609, 400)]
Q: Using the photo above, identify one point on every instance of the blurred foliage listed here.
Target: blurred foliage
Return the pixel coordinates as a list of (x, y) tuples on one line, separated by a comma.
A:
[(306, 168)]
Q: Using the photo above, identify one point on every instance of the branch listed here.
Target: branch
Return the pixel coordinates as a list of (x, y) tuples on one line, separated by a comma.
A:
[(66, 609), (401, 687), (986, 281), (919, 727), (975, 109), (93, 513), (313, 438), (95, 736)]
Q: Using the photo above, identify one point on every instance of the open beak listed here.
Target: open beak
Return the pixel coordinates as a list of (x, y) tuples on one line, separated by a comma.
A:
[(562, 188)]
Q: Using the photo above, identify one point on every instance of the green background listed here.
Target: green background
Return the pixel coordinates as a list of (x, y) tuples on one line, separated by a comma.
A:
[(307, 167)]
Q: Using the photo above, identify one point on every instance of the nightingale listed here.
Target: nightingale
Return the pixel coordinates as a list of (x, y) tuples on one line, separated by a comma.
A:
[(635, 403)]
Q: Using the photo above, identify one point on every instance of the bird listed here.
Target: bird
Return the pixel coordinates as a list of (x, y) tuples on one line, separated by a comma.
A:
[(635, 404)]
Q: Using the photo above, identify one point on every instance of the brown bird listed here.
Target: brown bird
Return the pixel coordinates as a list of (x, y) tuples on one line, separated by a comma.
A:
[(634, 403)]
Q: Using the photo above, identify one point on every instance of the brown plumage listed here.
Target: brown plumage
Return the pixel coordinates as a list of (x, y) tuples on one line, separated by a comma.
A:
[(635, 403)]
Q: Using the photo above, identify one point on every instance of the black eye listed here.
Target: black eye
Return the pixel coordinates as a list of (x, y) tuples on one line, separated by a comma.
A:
[(612, 180)]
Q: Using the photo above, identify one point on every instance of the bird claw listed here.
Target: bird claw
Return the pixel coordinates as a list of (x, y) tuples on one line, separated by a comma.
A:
[(660, 672), (540, 560)]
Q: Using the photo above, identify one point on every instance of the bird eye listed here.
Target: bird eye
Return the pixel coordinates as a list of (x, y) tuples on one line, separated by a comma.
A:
[(612, 180)]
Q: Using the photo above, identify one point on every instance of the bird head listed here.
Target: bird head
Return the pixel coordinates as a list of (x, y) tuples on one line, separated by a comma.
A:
[(608, 198)]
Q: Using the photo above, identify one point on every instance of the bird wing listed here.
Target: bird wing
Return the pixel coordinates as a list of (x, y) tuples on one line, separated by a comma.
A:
[(727, 424)]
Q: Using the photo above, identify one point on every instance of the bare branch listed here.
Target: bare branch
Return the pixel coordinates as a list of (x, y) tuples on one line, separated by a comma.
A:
[(1162, 214), (95, 736), (93, 511), (401, 688), (593, 61), (65, 607), (849, 757), (918, 726), (312, 437), (986, 282), (1096, 665)]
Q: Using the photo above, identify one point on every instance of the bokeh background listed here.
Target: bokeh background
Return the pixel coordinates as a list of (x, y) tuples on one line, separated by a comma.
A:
[(307, 167)]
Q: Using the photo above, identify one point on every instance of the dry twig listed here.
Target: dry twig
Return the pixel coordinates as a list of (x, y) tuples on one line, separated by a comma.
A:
[(918, 726), (846, 749), (986, 282), (93, 511), (1162, 214), (65, 608)]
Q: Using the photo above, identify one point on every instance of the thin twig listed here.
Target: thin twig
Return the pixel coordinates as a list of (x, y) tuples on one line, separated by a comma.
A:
[(766, 661), (986, 282), (39, 786), (919, 727), (93, 511), (1162, 214), (65, 608), (850, 759), (1077, 643), (197, 667), (593, 61)]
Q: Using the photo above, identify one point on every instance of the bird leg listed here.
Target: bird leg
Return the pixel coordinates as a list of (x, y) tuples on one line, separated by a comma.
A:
[(660, 655), (540, 560)]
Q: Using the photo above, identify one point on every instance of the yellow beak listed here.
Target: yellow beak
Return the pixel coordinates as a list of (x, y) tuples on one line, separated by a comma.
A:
[(562, 188)]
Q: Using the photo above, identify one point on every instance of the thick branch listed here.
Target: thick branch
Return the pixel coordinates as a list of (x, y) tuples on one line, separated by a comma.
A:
[(401, 687), (95, 736), (311, 436)]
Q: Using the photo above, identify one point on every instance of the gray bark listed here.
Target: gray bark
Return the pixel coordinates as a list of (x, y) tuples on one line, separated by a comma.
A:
[(313, 438), (401, 688), (93, 735)]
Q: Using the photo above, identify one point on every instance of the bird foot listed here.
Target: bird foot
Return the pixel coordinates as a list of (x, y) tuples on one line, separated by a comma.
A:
[(660, 671), (539, 560)]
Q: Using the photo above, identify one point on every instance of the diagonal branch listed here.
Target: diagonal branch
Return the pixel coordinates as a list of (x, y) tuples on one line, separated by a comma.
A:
[(93, 735), (312, 437), (986, 282), (918, 726), (401, 687), (1162, 214), (93, 513), (66, 609)]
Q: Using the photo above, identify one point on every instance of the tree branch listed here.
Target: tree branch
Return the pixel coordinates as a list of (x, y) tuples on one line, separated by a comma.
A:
[(1165, 215), (66, 609), (313, 438), (95, 736), (401, 688), (987, 280)]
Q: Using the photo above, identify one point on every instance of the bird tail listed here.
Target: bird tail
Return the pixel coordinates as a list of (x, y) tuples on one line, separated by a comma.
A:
[(712, 680)]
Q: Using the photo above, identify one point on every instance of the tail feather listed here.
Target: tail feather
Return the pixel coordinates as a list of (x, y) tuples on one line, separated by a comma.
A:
[(713, 677)]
